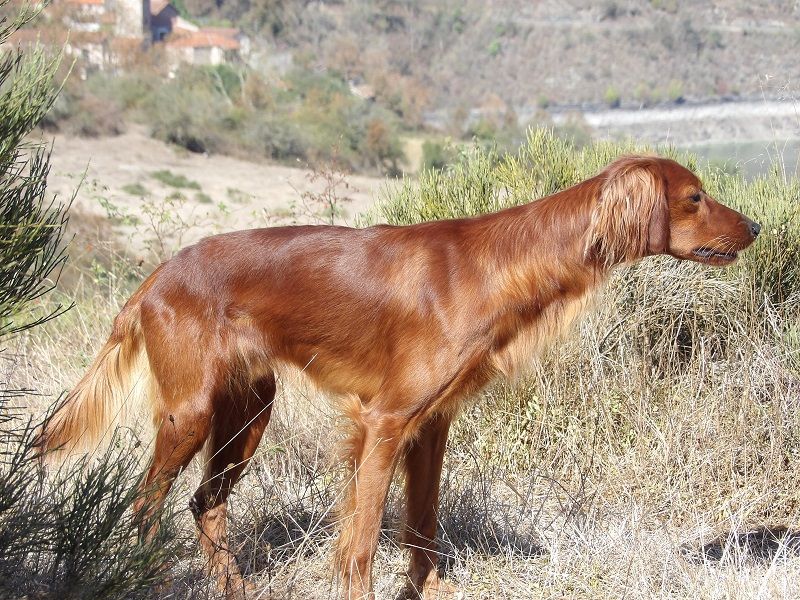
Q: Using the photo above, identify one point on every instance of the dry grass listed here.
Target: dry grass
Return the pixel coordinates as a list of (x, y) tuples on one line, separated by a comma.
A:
[(653, 454)]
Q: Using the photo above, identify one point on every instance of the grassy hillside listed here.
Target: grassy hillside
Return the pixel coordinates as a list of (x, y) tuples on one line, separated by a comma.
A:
[(653, 454), (467, 53)]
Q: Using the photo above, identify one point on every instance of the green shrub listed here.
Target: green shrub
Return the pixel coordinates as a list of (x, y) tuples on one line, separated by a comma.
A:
[(502, 135), (484, 181), (436, 155), (310, 116), (171, 179), (187, 111), (675, 91), (135, 189), (203, 198), (612, 97), (703, 358), (228, 78), (72, 534), (69, 534), (276, 138)]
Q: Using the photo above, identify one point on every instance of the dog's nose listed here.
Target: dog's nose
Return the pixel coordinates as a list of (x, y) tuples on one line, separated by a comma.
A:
[(755, 228)]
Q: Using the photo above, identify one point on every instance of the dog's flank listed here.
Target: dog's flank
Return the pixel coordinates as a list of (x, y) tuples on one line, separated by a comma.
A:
[(401, 323)]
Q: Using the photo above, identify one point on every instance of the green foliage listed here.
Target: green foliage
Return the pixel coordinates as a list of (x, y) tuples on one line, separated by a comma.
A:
[(436, 155), (669, 6), (483, 181), (308, 116), (612, 97), (714, 40), (70, 534), (31, 225), (501, 135), (574, 129), (668, 339), (645, 94), (228, 78), (274, 18), (180, 6), (675, 91), (610, 10), (203, 198), (188, 110), (135, 189), (175, 180)]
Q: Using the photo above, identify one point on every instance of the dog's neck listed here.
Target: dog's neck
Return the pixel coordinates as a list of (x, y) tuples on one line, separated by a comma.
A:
[(540, 278), (538, 250)]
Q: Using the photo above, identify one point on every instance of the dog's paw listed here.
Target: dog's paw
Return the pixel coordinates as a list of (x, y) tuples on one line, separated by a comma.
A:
[(434, 588)]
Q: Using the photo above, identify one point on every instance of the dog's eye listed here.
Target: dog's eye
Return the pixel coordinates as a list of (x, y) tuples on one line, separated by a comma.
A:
[(696, 197)]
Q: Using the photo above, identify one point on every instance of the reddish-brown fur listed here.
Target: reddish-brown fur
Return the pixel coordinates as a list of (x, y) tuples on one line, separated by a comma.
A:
[(402, 323)]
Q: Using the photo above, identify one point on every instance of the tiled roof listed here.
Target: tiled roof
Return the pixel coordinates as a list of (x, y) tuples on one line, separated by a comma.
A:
[(230, 32), (156, 6)]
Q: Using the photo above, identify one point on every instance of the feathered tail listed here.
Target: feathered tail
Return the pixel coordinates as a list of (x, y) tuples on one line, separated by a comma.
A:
[(117, 382)]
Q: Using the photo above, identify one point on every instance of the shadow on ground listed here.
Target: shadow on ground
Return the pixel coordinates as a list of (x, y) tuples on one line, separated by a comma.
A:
[(761, 545), (470, 522), (278, 538)]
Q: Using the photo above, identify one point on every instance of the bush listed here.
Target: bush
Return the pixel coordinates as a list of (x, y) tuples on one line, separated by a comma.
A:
[(80, 110), (612, 97), (311, 117), (484, 181), (187, 111), (135, 189), (276, 138), (31, 225), (436, 155), (71, 535), (678, 392), (171, 179)]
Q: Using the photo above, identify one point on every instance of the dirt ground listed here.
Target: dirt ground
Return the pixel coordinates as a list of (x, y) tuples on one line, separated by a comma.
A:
[(219, 193), (594, 479)]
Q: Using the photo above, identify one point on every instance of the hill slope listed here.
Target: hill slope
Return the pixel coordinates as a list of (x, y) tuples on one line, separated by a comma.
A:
[(469, 53)]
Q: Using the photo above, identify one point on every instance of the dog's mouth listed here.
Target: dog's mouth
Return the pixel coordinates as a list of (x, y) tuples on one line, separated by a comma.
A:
[(709, 255)]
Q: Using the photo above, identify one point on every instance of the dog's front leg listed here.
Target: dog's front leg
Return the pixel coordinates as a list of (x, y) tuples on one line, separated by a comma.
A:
[(374, 449)]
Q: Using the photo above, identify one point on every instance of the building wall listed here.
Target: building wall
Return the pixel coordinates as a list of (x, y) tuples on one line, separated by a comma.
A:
[(161, 24), (133, 18)]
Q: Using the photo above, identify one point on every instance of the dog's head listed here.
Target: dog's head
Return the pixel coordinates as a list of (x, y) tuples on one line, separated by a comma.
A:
[(649, 205)]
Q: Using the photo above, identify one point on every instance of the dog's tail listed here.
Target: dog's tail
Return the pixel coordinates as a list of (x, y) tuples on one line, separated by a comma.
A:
[(116, 383)]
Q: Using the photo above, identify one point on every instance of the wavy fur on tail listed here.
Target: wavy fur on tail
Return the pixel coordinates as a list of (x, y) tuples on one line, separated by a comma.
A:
[(115, 384)]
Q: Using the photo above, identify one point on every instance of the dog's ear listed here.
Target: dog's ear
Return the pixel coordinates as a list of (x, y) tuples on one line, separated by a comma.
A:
[(631, 218), (658, 229)]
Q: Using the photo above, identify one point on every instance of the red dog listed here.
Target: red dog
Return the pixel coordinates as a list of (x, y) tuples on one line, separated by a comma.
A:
[(403, 323)]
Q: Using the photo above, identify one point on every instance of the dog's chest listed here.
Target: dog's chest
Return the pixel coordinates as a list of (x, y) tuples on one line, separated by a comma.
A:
[(529, 335)]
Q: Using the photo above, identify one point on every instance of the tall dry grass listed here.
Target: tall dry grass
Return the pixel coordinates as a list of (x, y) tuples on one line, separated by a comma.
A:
[(653, 453)]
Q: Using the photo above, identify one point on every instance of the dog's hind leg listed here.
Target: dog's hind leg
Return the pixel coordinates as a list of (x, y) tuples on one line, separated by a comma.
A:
[(240, 418), (180, 436), (423, 471)]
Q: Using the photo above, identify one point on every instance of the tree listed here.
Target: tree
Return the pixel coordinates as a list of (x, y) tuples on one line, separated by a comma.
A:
[(70, 534), (31, 224)]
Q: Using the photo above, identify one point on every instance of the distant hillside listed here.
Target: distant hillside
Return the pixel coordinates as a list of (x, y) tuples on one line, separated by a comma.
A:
[(419, 55)]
